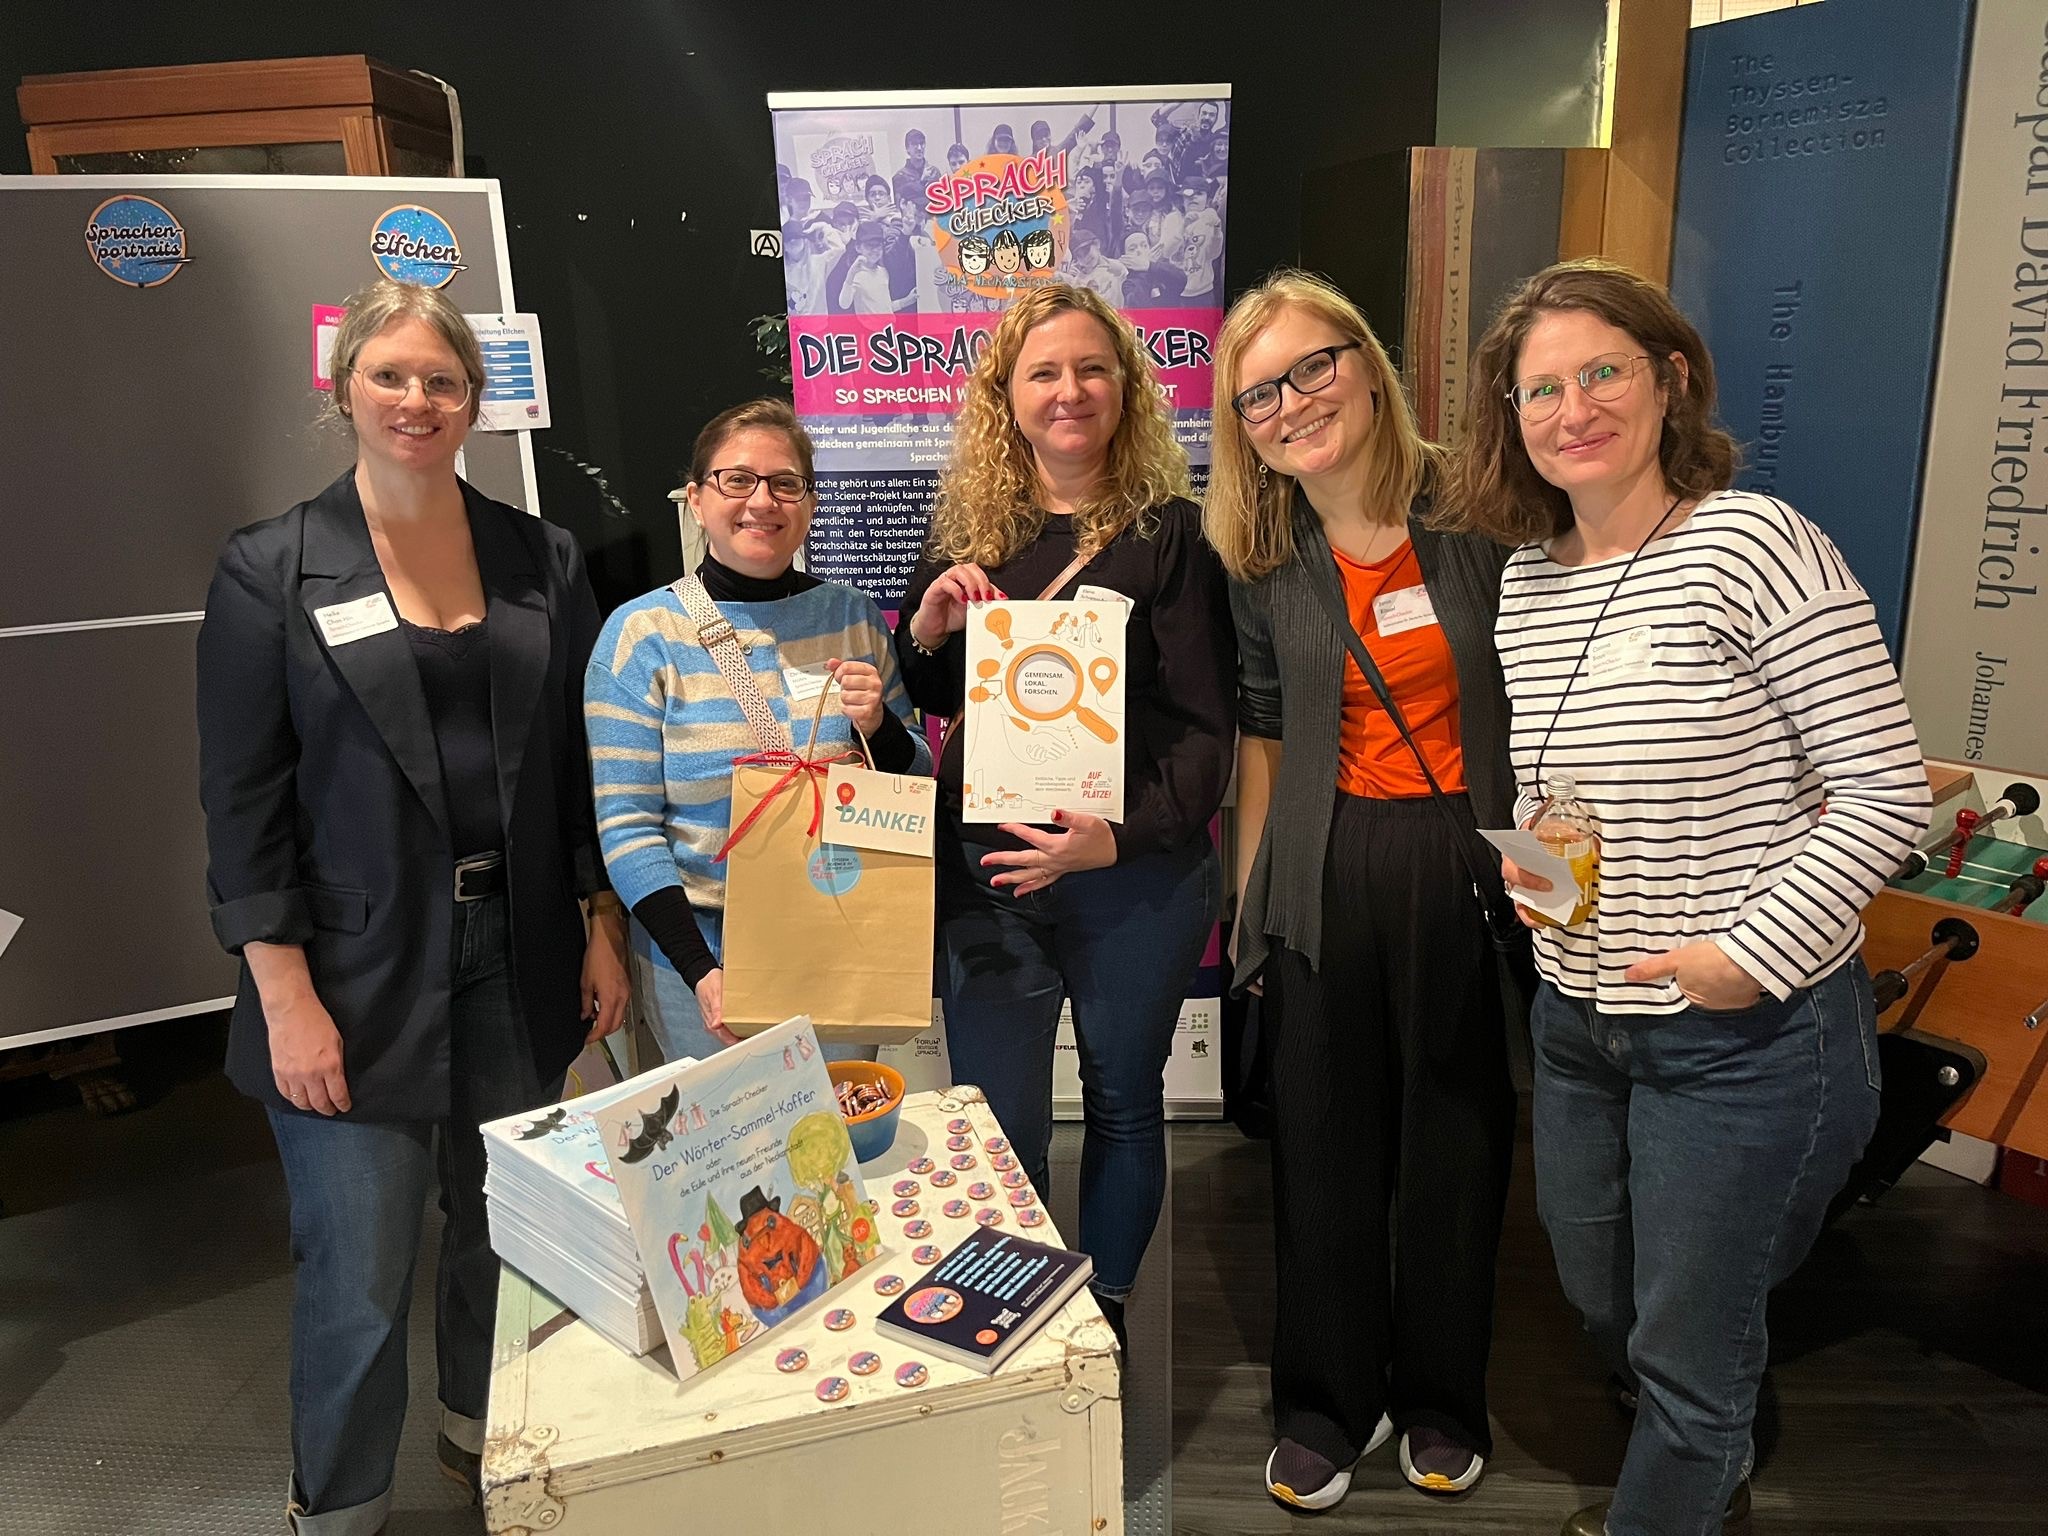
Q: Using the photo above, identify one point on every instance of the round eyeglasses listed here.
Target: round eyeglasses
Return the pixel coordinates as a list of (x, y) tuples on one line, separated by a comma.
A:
[(389, 386), (1308, 375), (1606, 377), (784, 485)]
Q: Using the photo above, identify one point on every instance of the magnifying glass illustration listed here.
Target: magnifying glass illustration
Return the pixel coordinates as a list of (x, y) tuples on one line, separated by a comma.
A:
[(1044, 682)]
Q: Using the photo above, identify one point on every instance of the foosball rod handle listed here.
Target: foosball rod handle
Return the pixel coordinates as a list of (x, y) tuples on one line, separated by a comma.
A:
[(1954, 940)]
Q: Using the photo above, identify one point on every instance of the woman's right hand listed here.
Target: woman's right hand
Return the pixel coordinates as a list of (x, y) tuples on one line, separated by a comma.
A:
[(943, 609), (1515, 875), (711, 1004), (305, 1053)]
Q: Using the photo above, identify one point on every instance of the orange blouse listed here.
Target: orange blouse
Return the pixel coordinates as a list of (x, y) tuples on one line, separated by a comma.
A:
[(1372, 759)]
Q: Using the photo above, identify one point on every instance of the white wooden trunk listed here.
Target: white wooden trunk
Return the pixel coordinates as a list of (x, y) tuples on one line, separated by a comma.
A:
[(585, 1439)]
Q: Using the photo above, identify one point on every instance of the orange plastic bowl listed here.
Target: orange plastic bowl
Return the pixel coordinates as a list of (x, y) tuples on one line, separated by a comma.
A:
[(873, 1133)]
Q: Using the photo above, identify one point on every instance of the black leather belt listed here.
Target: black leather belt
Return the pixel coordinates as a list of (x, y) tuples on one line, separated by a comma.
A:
[(479, 875)]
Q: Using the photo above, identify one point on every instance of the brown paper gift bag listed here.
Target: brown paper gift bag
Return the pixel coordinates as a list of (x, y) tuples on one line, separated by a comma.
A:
[(842, 934)]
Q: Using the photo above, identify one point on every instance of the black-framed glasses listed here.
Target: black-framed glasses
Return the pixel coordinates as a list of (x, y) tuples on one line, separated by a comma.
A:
[(1308, 375), (1606, 377), (389, 386), (783, 485)]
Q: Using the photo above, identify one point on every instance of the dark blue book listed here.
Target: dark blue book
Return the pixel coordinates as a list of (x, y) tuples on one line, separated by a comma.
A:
[(1816, 177), (985, 1299)]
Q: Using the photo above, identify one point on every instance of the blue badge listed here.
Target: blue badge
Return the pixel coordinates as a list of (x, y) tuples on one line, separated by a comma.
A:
[(835, 870), (416, 245), (134, 240)]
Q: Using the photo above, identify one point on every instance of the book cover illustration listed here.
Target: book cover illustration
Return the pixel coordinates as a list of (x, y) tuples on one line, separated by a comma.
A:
[(561, 1143), (740, 1183), (1044, 712), (986, 1298)]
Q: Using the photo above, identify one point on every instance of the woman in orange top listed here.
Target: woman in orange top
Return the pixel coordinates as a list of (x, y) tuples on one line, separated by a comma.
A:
[(1357, 906)]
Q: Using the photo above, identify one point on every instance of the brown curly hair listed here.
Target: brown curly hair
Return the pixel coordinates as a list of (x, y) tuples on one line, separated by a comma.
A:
[(1493, 488), (988, 507)]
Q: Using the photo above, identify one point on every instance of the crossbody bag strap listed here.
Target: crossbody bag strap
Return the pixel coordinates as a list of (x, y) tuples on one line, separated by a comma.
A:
[(1326, 590), (1073, 568), (716, 634)]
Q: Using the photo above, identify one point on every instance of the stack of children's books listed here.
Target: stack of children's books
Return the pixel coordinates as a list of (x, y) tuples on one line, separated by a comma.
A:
[(556, 1216)]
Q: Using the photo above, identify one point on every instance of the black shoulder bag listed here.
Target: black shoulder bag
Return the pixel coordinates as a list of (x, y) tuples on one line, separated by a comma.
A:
[(1505, 930)]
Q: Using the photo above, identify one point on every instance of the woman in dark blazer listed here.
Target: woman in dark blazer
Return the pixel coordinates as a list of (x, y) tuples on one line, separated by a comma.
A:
[(1357, 908), (399, 826)]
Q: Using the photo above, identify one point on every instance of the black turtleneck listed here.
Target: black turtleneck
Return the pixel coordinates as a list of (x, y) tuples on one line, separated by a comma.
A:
[(666, 914)]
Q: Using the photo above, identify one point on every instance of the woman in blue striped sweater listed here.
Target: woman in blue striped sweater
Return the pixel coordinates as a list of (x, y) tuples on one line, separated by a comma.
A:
[(665, 726), (1703, 665)]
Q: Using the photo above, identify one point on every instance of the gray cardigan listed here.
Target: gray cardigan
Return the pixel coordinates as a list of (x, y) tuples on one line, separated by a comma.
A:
[(1290, 688)]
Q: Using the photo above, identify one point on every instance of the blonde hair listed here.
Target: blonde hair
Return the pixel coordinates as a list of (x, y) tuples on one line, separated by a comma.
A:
[(1251, 525), (371, 309), (988, 508)]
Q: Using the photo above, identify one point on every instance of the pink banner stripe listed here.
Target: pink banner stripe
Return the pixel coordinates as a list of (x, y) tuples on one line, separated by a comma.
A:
[(885, 365)]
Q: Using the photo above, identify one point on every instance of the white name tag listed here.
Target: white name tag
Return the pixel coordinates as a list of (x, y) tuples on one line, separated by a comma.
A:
[(804, 686), (1404, 609), (1086, 594), (1628, 654), (893, 812), (341, 623)]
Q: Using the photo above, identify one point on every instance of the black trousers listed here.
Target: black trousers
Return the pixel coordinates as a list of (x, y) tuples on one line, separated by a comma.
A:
[(1394, 1128)]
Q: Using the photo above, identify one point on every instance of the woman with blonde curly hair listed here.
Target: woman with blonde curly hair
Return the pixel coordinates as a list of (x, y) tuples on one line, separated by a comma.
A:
[(1065, 476), (1360, 912)]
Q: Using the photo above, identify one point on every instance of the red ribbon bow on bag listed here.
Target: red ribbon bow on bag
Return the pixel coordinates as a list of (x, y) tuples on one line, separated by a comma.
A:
[(809, 770)]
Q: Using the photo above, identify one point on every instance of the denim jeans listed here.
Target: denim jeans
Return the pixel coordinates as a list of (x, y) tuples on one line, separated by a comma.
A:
[(1684, 1164), (1123, 944), (669, 1004), (357, 1191)]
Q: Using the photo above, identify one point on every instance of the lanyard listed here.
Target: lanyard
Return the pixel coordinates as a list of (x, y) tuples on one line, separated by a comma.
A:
[(1544, 745)]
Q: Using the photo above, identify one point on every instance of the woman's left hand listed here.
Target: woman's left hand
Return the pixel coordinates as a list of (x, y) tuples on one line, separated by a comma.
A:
[(1704, 974), (860, 693), (1087, 843), (605, 987)]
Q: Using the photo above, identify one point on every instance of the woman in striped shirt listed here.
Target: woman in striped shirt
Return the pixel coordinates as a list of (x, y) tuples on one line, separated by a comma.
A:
[(1704, 667), (665, 725)]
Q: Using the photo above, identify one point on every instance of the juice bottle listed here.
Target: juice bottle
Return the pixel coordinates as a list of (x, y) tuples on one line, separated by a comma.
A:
[(1565, 827)]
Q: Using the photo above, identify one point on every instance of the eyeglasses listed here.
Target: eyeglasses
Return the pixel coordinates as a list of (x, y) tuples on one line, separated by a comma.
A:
[(389, 386), (1308, 375), (1605, 378), (785, 485)]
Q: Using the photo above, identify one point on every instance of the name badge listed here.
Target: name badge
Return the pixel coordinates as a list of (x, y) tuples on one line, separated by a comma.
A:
[(803, 686), (893, 812), (1628, 654), (1087, 594), (1404, 609), (343, 623)]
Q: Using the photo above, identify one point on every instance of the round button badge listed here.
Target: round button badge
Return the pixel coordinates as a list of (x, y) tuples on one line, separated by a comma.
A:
[(1022, 1197), (792, 1360), (929, 1253), (945, 1178), (888, 1285), (963, 1162), (905, 1188), (1015, 1179), (990, 1217), (1003, 1162), (959, 1143), (996, 1144), (921, 1165), (839, 1319), (866, 1363), (1031, 1218), (979, 1191), (833, 1388), (959, 1125), (916, 1229), (957, 1209), (904, 1208), (911, 1373)]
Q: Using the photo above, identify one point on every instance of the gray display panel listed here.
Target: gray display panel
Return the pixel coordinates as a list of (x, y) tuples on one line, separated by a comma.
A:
[(139, 426)]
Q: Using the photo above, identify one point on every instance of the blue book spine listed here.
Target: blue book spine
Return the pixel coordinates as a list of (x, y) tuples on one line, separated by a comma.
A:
[(1816, 177)]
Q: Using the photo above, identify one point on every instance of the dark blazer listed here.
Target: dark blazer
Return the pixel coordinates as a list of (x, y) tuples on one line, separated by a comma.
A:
[(326, 823), (1290, 687)]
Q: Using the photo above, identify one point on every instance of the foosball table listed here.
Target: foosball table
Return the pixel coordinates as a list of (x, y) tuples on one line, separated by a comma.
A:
[(1958, 952)]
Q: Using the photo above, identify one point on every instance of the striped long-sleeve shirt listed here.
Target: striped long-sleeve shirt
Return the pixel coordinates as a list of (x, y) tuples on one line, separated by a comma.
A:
[(1738, 683), (664, 728)]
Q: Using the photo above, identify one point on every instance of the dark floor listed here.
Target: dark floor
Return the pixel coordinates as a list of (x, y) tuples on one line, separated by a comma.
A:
[(144, 1290)]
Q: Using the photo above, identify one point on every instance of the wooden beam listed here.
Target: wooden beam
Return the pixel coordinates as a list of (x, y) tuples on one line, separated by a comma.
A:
[(1619, 200)]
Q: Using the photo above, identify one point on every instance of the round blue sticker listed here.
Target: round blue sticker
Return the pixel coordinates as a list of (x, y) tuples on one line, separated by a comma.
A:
[(835, 870), (134, 240), (416, 245)]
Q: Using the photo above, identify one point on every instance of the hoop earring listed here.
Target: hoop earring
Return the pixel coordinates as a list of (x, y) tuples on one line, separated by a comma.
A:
[(1262, 477)]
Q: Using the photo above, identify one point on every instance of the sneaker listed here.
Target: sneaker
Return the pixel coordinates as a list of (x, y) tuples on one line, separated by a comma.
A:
[(1436, 1463), (460, 1466), (1296, 1475)]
